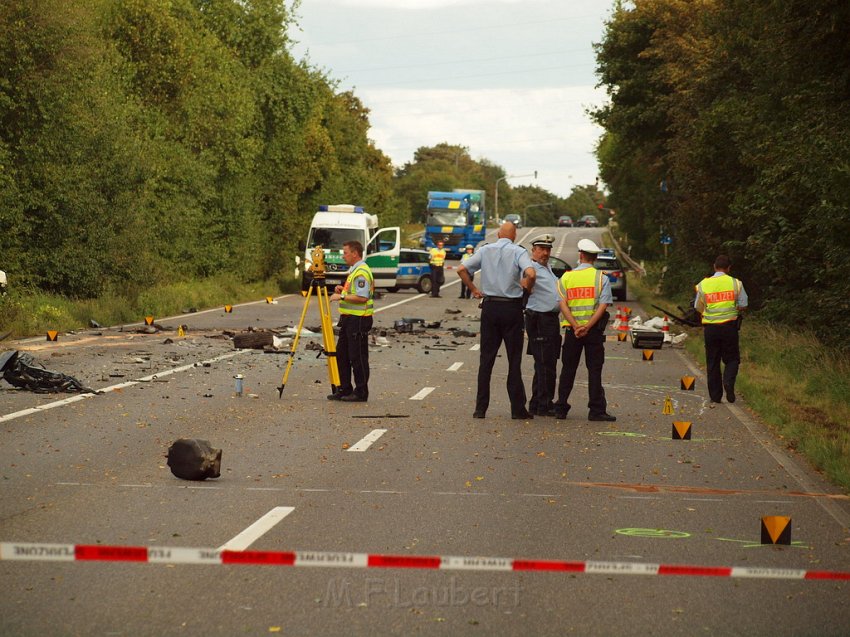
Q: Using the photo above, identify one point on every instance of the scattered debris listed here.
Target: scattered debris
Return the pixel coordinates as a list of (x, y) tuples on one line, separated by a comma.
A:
[(451, 311), (94, 324), (22, 371), (193, 459), (460, 333), (253, 340)]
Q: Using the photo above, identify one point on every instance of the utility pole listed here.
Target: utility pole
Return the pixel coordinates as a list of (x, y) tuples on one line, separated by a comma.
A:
[(496, 204)]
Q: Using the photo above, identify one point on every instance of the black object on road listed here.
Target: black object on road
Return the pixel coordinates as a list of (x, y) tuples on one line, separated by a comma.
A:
[(21, 371), (193, 459), (689, 317)]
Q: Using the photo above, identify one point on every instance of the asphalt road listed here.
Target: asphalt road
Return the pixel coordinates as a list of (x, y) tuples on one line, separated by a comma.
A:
[(615, 497)]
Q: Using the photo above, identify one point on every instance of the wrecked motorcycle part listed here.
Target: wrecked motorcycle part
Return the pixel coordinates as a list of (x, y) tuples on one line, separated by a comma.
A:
[(194, 459), (21, 371)]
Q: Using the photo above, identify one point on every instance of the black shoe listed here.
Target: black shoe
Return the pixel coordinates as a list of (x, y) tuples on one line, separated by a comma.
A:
[(604, 417), (730, 393), (353, 398), (523, 415), (337, 396), (561, 415), (478, 414), (552, 413)]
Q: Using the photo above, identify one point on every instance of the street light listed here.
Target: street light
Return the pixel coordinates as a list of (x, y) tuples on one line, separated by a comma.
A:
[(534, 205), (496, 205)]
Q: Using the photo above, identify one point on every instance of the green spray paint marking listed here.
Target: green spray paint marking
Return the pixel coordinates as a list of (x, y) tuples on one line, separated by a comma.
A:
[(654, 533), (627, 434)]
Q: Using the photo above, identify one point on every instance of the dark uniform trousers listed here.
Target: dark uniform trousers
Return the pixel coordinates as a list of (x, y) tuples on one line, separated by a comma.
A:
[(593, 346), (721, 344), (437, 279), (501, 321), (352, 354), (544, 344)]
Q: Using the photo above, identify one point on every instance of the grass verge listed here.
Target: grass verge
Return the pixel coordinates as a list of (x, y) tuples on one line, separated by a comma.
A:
[(28, 314), (792, 382)]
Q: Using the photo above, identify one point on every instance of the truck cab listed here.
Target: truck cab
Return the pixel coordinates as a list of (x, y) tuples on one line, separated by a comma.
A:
[(333, 226)]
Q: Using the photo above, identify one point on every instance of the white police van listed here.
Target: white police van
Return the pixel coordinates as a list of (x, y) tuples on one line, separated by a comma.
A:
[(333, 226)]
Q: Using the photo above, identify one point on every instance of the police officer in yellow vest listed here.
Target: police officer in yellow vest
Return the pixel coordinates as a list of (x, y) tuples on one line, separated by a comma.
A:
[(465, 292), (438, 258), (355, 320), (720, 299), (585, 296)]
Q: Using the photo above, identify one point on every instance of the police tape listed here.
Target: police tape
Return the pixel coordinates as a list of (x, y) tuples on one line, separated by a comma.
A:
[(25, 551)]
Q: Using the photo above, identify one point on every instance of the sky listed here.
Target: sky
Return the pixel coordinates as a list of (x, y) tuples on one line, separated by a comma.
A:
[(509, 79)]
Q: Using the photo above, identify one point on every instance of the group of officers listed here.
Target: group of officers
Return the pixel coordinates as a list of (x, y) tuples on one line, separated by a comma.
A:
[(520, 293)]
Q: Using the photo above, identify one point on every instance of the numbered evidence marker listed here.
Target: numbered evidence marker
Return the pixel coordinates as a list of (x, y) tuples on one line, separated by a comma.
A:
[(52, 335), (622, 336), (148, 320), (689, 382), (776, 529), (269, 299), (668, 406), (647, 354), (228, 309), (681, 430)]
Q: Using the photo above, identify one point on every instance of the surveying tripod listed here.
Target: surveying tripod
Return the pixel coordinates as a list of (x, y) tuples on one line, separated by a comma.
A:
[(317, 268)]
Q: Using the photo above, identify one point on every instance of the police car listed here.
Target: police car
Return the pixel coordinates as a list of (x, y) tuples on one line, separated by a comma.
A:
[(414, 271), (608, 263)]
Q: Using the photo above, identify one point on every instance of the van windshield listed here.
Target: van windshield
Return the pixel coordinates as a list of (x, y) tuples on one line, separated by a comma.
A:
[(446, 218), (333, 238)]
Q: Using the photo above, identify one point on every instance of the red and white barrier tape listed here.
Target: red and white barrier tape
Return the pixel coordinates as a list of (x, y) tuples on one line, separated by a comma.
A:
[(24, 551)]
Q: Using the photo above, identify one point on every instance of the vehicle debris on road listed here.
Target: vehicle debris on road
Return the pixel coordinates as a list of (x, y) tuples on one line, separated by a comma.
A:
[(23, 372)]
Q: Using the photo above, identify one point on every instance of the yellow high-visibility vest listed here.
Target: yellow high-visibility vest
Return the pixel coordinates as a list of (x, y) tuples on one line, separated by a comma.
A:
[(581, 289), (720, 294), (358, 309), (438, 256)]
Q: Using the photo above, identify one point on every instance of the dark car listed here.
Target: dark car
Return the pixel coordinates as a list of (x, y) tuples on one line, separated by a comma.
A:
[(608, 263), (565, 221), (514, 219), (559, 266), (414, 271), (588, 221)]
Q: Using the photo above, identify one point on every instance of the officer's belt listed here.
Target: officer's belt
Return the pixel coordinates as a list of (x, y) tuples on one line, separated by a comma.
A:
[(553, 312), (504, 299)]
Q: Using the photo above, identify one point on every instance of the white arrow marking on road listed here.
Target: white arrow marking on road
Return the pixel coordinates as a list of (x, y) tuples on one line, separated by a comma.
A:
[(454, 367), (420, 395), (256, 530), (367, 440)]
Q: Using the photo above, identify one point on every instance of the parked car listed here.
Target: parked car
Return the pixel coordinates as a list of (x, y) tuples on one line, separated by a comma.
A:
[(565, 221), (514, 219), (588, 221), (559, 266), (608, 263), (414, 271)]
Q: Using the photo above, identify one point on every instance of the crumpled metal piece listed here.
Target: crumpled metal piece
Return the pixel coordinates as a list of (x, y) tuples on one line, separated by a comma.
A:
[(22, 371)]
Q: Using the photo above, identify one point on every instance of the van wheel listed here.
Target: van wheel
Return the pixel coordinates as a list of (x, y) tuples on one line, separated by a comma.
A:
[(393, 289), (424, 285)]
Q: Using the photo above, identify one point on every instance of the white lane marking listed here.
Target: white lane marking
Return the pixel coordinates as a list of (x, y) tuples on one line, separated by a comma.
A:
[(454, 367), (367, 440), (703, 499), (256, 530), (475, 347), (111, 388), (422, 393)]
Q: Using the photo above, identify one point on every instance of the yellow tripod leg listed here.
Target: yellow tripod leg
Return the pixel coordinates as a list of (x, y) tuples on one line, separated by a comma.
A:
[(295, 343), (328, 338)]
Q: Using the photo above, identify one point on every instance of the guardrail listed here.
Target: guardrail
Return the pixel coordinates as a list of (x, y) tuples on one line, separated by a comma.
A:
[(634, 265)]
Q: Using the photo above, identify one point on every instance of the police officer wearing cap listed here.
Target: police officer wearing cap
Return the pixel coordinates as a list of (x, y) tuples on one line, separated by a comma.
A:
[(543, 329), (585, 296), (465, 292), (506, 270), (721, 298)]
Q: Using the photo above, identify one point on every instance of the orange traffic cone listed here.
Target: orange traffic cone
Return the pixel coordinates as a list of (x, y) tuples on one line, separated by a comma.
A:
[(624, 321)]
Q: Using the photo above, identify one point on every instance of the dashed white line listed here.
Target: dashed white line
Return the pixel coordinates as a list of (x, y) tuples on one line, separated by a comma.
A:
[(422, 393), (367, 440), (475, 347), (250, 535), (454, 367)]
